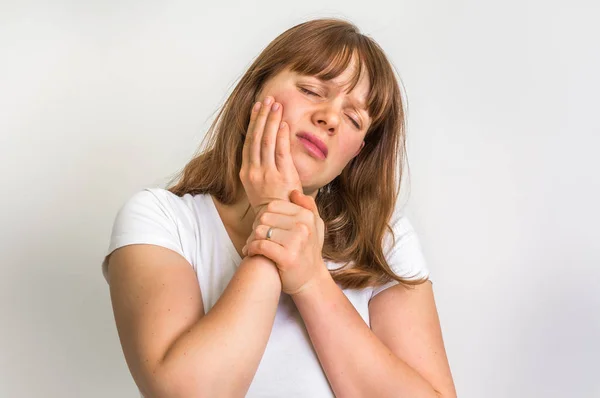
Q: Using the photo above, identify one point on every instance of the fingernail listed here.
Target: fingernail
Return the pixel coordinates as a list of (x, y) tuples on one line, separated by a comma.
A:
[(256, 107), (268, 101), (275, 107)]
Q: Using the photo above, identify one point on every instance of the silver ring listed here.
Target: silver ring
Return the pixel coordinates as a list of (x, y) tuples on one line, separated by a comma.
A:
[(269, 233)]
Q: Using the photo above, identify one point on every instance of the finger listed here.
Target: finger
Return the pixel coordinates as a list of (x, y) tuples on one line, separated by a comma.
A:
[(257, 132), (269, 137), (283, 207), (280, 236), (247, 148), (307, 202), (271, 250), (276, 220), (277, 206), (283, 154), (247, 138), (261, 231), (251, 237)]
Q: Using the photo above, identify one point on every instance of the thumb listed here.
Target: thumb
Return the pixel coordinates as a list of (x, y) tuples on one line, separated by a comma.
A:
[(305, 201)]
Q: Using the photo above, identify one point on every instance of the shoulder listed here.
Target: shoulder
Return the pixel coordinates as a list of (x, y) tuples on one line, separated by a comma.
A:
[(403, 252), (154, 197), (400, 225), (403, 233), (155, 216), (159, 203)]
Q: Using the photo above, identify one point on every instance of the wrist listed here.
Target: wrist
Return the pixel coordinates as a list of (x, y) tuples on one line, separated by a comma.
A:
[(265, 266), (322, 278)]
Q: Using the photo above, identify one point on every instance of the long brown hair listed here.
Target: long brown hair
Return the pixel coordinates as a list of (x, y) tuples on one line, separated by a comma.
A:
[(357, 205)]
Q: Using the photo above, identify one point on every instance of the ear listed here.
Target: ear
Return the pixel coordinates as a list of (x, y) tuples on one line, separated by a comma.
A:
[(362, 144)]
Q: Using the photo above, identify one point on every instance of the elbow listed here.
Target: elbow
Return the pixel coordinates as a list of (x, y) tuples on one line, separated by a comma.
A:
[(447, 394), (188, 383), (162, 382)]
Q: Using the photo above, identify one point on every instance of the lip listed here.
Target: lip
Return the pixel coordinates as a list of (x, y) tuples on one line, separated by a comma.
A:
[(318, 143)]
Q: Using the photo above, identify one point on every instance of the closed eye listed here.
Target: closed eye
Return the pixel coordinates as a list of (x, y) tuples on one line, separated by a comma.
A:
[(308, 92)]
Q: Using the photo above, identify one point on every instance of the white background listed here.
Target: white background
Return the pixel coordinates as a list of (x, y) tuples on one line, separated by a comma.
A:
[(100, 99)]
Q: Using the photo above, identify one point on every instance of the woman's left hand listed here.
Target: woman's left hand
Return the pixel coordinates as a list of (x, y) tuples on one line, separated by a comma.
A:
[(296, 241)]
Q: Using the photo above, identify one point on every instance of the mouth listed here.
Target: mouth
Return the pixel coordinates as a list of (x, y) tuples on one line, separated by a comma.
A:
[(313, 143)]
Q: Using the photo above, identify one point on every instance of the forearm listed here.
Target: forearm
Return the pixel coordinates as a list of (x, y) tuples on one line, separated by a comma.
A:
[(219, 355), (356, 362)]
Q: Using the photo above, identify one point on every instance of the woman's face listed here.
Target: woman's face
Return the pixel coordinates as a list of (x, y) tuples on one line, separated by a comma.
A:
[(330, 114)]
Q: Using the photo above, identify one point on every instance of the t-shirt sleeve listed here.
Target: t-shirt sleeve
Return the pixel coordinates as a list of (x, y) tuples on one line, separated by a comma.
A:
[(405, 257), (146, 218)]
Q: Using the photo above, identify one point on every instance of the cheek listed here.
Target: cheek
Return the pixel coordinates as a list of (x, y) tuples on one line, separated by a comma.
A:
[(348, 149), (289, 100)]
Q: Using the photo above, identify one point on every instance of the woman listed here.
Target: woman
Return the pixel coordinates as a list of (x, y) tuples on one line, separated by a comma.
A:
[(279, 264)]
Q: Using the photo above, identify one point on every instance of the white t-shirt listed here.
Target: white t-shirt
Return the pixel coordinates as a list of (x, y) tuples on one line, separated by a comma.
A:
[(191, 226)]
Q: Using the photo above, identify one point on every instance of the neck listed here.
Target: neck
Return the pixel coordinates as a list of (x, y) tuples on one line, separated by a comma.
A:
[(232, 214)]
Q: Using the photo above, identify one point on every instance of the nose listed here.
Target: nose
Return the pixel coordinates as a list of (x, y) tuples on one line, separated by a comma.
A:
[(328, 117)]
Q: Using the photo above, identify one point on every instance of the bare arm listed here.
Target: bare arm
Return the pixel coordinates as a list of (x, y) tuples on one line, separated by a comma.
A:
[(171, 348), (402, 356)]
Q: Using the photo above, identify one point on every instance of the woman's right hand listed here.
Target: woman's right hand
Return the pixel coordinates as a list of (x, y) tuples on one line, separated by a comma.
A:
[(268, 172)]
